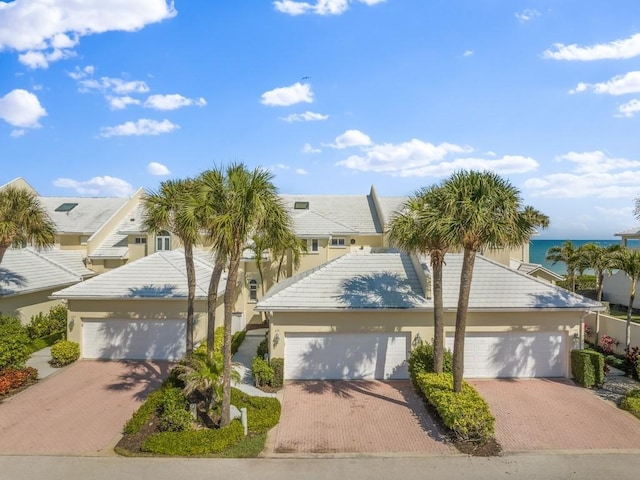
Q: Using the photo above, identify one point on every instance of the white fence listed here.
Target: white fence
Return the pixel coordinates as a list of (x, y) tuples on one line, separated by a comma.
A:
[(600, 324)]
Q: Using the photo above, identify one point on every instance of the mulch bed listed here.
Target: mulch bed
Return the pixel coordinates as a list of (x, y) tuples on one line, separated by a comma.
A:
[(132, 444)]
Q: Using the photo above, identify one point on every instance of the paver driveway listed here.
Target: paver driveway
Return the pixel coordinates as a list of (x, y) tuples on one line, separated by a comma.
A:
[(80, 410), (545, 414), (356, 417)]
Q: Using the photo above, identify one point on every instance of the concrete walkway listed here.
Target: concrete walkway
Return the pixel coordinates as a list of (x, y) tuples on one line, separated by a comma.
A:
[(40, 361), (242, 363)]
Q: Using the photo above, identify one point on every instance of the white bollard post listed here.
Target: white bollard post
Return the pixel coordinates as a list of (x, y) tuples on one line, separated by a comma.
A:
[(243, 419)]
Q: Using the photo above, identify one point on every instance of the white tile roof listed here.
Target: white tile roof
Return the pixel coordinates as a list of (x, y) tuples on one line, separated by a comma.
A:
[(631, 231), (364, 280), (116, 244), (132, 224), (531, 268), (389, 206), (333, 214), (26, 270), (85, 218), (161, 275)]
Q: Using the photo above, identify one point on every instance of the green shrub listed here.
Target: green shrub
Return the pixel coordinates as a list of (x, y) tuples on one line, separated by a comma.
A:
[(615, 362), (421, 360), (277, 365), (172, 410), (194, 442), (14, 343), (263, 413), (42, 325), (631, 402), (237, 340), (465, 413), (263, 348), (143, 415), (64, 352), (587, 367), (39, 343), (262, 372)]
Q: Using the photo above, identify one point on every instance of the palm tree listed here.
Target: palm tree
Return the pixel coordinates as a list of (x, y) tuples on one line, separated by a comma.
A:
[(407, 232), (628, 260), (600, 259), (482, 210), (293, 244), (23, 220), (168, 209), (568, 254), (247, 204)]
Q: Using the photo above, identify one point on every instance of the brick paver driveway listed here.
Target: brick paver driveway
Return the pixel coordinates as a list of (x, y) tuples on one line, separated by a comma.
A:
[(356, 417), (545, 414), (79, 410)]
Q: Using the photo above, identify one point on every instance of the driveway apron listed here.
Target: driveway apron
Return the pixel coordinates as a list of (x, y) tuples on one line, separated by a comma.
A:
[(78, 411), (356, 417), (549, 414)]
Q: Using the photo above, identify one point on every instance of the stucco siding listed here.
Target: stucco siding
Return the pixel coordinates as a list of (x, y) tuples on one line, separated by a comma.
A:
[(27, 305), (617, 290)]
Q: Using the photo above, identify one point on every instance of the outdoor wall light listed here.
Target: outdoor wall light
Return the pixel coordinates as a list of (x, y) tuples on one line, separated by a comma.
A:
[(417, 340), (276, 340), (72, 323)]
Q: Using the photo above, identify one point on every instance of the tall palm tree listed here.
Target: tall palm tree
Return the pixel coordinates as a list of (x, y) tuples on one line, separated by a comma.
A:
[(290, 243), (600, 259), (568, 254), (628, 260), (23, 220), (167, 209), (407, 232), (482, 210), (248, 205)]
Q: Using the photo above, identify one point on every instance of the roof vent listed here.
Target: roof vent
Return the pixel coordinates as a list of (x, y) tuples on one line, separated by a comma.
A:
[(66, 207), (301, 206)]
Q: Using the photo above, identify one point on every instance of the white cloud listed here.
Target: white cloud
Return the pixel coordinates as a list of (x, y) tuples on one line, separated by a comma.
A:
[(114, 85), (307, 148), (301, 171), (285, 96), (624, 212), (172, 102), (630, 108), (17, 133), (158, 169), (20, 108), (618, 85), (144, 126), (618, 49), (97, 186), (305, 117), (527, 15), (320, 7), (594, 175), (80, 73), (468, 53), (351, 138), (44, 31), (120, 103)]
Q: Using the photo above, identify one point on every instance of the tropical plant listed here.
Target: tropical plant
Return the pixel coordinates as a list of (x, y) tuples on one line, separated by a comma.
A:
[(598, 258), (480, 210), (293, 244), (23, 220), (168, 209), (14, 343), (246, 203), (419, 213), (568, 254), (628, 261)]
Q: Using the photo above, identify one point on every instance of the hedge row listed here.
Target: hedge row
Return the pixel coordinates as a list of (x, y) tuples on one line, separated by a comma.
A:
[(465, 413), (195, 442), (587, 367), (631, 402), (263, 413), (268, 373)]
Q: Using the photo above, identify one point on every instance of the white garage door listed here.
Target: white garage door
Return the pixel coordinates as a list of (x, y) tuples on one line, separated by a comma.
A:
[(332, 356), (134, 339), (513, 355)]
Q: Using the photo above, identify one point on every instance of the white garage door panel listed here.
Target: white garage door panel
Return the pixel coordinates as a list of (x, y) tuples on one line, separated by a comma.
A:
[(513, 355), (334, 356), (134, 340)]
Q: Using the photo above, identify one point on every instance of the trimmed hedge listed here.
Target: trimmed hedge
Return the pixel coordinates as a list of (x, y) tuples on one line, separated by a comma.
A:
[(631, 402), (277, 365), (587, 367), (263, 413), (195, 442), (39, 343), (64, 353), (14, 343), (421, 360), (466, 413), (237, 340)]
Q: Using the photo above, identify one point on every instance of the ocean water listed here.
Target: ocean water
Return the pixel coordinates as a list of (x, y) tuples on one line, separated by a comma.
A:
[(538, 250)]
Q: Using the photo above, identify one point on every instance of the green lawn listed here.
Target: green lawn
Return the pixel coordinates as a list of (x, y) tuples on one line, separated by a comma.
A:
[(622, 315), (40, 343)]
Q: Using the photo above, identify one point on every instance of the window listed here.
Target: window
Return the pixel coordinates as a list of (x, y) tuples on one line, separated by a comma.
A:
[(301, 205), (141, 240), (163, 241), (66, 207), (253, 290), (338, 242), (313, 245)]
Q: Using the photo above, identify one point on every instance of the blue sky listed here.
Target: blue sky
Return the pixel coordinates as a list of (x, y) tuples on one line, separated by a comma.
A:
[(332, 95)]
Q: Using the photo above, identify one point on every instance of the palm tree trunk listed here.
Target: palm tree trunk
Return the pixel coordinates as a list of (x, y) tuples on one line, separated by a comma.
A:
[(461, 317), (438, 320), (229, 300), (212, 301), (3, 250), (627, 341), (191, 294), (280, 267), (600, 286)]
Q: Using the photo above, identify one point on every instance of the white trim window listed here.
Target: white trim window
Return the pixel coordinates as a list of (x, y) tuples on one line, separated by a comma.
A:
[(339, 242), (163, 241), (313, 245), (253, 290)]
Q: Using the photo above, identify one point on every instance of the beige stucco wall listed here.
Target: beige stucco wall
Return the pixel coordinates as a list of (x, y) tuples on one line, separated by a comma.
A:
[(422, 323), (111, 225), (617, 290), (27, 305), (71, 242), (614, 327), (80, 310)]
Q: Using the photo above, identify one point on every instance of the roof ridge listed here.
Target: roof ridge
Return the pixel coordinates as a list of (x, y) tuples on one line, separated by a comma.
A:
[(53, 262)]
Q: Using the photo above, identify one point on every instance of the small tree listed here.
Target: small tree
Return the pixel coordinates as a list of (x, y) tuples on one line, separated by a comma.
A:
[(628, 261), (567, 254), (600, 259)]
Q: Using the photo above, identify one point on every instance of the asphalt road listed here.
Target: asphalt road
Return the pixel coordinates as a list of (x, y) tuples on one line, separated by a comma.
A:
[(525, 466)]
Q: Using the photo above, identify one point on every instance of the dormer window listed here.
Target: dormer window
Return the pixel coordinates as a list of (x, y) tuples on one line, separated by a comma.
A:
[(301, 206), (66, 207)]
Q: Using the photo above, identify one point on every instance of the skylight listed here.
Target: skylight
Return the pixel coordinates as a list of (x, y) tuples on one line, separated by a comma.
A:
[(301, 206), (66, 207)]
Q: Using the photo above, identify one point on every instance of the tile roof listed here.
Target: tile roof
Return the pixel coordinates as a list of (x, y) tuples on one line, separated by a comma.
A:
[(531, 268), (116, 245), (358, 280), (85, 218), (26, 270), (631, 231), (389, 206), (160, 275)]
